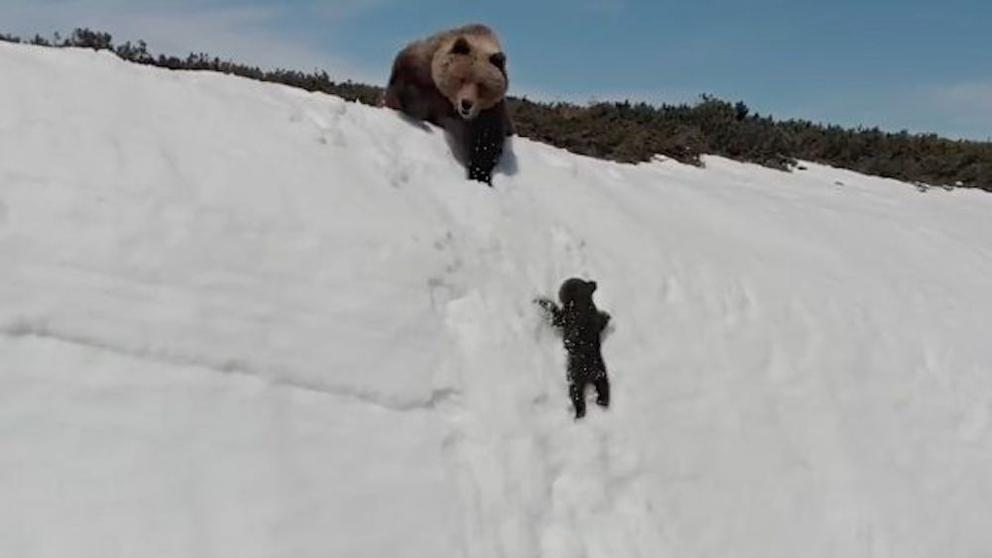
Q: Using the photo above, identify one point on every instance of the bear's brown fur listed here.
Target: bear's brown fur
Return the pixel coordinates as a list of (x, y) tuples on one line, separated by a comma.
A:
[(457, 79)]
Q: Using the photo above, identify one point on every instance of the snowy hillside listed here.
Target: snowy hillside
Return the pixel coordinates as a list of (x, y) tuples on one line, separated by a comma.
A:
[(240, 320)]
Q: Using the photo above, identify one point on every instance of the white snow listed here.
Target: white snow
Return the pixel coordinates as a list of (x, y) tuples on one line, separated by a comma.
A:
[(237, 319)]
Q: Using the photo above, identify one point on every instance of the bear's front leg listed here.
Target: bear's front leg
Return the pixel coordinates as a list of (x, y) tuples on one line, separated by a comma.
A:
[(488, 132), (551, 311)]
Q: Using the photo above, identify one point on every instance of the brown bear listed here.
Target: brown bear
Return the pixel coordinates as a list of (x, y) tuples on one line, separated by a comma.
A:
[(457, 79)]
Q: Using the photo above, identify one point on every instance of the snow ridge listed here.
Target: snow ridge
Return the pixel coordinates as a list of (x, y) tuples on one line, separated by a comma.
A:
[(237, 319), (20, 329)]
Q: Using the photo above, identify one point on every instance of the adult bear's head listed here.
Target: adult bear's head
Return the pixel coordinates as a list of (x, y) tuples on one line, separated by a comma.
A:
[(469, 69)]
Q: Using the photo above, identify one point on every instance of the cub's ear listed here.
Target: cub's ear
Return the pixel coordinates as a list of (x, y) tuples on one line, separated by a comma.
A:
[(461, 46), (498, 60)]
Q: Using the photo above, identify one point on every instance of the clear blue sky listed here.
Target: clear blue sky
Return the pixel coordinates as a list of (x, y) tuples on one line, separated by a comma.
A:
[(919, 65)]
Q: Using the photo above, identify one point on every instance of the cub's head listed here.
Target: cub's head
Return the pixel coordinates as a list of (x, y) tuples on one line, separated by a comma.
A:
[(470, 70), (576, 291)]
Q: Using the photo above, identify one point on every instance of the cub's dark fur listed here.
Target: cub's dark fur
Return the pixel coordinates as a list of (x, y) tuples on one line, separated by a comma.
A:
[(582, 326)]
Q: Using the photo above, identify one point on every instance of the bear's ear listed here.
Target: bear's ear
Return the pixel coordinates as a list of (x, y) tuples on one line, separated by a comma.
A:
[(461, 46), (498, 60)]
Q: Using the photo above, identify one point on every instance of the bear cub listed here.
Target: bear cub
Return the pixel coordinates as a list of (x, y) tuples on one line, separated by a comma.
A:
[(582, 326), (457, 79)]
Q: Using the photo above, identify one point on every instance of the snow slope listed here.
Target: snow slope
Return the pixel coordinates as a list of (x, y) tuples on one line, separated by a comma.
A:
[(237, 319)]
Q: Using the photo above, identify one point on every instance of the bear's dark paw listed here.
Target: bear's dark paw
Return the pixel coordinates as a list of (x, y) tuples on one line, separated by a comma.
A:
[(480, 174)]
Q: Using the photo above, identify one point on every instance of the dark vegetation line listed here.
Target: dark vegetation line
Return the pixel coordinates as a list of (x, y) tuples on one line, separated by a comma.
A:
[(635, 132)]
